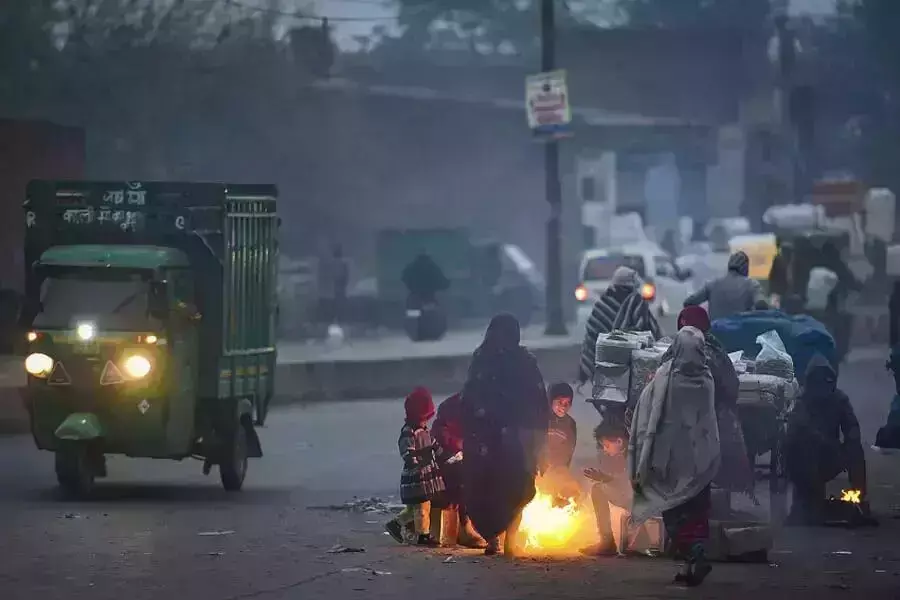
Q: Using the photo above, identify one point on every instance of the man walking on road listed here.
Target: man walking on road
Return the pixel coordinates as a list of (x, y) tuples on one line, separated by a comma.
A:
[(731, 294)]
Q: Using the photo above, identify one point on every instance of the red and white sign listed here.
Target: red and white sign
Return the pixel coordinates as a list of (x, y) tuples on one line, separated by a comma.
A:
[(547, 103)]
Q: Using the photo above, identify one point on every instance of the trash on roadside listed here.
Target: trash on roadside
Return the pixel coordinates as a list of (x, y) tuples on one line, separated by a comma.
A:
[(363, 505), (365, 570), (339, 549), (214, 533)]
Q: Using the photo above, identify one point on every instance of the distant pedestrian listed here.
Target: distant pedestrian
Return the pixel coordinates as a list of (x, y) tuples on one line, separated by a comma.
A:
[(733, 293), (420, 480), (620, 307), (334, 278)]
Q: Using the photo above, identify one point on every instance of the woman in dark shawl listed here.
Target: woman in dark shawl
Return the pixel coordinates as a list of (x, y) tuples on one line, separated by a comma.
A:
[(505, 420)]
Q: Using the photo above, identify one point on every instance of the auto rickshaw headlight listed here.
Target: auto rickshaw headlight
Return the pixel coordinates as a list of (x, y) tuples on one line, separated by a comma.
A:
[(85, 331), (39, 365), (137, 366)]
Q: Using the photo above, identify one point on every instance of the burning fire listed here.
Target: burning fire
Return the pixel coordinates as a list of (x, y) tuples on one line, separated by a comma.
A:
[(551, 524), (851, 496)]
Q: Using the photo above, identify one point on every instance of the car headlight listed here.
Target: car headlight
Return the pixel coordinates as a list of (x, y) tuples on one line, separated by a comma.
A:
[(39, 365), (137, 366)]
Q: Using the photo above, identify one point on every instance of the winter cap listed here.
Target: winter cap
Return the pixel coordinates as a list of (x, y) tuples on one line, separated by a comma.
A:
[(419, 406), (739, 262)]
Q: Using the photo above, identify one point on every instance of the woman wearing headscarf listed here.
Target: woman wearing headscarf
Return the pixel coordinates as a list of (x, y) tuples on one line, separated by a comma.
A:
[(505, 419), (673, 451), (620, 307), (736, 474)]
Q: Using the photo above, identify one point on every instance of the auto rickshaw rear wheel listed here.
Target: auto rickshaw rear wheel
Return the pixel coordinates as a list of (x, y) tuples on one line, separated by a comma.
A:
[(75, 471), (233, 464)]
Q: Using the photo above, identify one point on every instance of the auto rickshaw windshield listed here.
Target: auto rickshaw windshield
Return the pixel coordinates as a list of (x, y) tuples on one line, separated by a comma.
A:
[(111, 298)]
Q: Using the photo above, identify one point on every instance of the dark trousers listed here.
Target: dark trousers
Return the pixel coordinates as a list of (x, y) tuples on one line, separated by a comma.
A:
[(687, 525)]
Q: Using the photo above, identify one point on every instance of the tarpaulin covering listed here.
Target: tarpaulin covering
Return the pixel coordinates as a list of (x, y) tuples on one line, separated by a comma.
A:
[(802, 335)]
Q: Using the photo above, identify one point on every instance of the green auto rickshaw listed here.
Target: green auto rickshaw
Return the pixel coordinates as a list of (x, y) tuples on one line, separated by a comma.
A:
[(150, 310)]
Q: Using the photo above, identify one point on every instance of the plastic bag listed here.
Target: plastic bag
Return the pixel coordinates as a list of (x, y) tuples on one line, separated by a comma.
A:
[(822, 282), (774, 359), (772, 347)]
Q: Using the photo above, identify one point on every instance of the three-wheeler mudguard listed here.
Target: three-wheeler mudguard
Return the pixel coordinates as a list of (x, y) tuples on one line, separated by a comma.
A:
[(80, 427)]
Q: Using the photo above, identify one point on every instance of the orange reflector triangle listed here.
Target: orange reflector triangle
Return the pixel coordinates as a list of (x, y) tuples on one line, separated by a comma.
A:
[(59, 375), (111, 374)]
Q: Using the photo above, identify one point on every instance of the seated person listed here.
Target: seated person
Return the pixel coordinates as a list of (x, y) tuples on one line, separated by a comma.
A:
[(823, 440), (562, 433), (611, 483)]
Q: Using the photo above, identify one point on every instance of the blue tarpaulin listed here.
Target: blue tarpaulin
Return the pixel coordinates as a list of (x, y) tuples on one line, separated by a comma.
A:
[(802, 335)]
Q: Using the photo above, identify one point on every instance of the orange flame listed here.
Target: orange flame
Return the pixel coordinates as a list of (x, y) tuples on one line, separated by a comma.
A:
[(552, 526), (851, 496)]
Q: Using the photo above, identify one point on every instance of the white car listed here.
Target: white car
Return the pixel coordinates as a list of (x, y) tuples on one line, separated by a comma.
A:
[(664, 284)]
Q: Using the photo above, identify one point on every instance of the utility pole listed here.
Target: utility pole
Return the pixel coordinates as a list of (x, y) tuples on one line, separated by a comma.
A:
[(556, 324), (786, 62)]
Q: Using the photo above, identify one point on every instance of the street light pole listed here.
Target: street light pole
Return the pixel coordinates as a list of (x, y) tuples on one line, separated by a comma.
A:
[(556, 324)]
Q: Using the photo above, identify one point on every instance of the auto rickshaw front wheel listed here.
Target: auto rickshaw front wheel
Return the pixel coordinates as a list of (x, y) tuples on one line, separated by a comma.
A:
[(75, 470), (233, 464)]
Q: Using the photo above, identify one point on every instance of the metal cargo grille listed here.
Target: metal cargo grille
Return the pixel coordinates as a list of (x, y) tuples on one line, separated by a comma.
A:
[(251, 263)]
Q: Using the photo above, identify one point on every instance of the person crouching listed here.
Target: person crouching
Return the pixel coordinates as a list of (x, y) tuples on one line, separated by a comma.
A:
[(420, 480), (456, 526), (611, 484)]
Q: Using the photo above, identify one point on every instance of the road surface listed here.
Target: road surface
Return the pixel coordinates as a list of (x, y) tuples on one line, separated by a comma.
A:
[(160, 530)]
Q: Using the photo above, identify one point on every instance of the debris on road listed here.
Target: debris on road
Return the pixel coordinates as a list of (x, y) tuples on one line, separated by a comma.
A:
[(365, 570), (214, 533), (363, 505), (339, 549), (449, 560), (219, 553), (840, 553)]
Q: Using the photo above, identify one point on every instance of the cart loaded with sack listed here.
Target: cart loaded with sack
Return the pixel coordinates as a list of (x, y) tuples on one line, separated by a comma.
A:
[(625, 362), (770, 351)]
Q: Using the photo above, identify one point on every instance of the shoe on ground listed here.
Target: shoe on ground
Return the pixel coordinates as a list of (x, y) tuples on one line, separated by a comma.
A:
[(425, 539), (492, 548), (394, 529)]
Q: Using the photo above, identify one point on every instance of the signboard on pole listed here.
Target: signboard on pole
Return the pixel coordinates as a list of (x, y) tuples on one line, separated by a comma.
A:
[(547, 103)]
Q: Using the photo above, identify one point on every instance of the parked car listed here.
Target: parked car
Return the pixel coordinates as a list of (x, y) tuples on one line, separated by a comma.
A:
[(664, 284)]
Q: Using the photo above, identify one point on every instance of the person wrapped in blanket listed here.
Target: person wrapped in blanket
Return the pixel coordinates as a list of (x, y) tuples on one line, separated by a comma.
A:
[(736, 473), (674, 453), (620, 307), (823, 440), (420, 479)]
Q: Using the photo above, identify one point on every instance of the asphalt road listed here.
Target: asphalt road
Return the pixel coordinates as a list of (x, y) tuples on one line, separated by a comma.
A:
[(143, 536)]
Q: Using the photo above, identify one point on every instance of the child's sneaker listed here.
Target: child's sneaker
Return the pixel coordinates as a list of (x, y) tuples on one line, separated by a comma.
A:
[(425, 539), (395, 530)]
